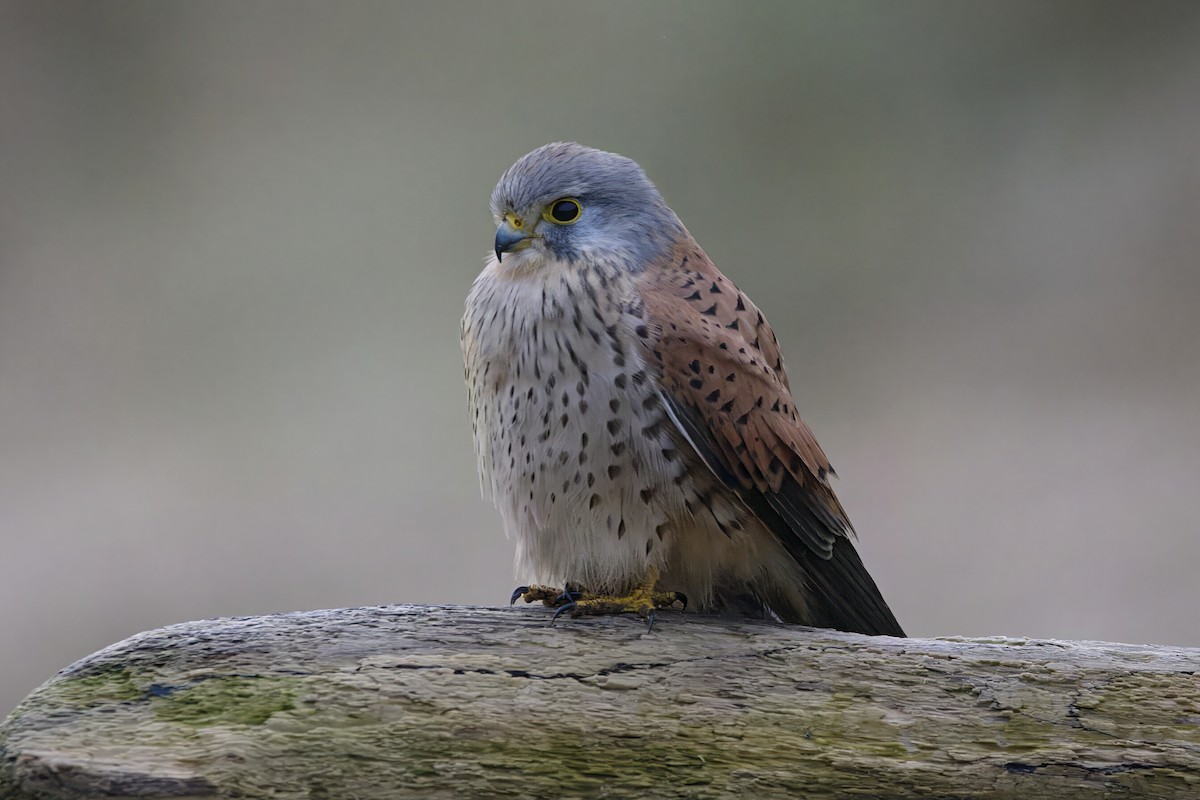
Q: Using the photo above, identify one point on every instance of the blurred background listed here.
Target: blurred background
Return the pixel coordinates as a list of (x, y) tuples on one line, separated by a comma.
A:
[(235, 240)]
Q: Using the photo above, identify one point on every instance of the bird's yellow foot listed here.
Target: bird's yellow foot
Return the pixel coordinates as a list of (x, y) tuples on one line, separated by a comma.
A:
[(548, 595), (644, 600)]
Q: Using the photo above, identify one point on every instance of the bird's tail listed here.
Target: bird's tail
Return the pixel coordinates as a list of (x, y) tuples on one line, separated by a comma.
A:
[(844, 596), (837, 593)]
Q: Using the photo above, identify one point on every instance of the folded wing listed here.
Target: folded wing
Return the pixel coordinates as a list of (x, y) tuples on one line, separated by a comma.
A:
[(726, 390)]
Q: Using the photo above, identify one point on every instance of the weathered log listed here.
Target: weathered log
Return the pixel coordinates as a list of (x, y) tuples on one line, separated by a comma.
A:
[(449, 702)]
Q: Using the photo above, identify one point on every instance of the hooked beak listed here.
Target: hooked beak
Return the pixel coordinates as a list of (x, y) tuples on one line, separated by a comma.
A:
[(509, 238)]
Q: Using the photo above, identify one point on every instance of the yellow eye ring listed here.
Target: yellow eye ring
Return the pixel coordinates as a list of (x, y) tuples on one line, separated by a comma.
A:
[(563, 212)]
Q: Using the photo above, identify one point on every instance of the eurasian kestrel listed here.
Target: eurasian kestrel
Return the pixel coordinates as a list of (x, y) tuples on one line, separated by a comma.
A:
[(632, 419)]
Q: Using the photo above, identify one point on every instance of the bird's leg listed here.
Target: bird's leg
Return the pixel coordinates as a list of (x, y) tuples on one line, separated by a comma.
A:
[(548, 595), (643, 600)]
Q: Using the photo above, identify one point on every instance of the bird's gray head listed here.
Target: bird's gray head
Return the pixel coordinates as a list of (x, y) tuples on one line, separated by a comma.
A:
[(572, 203)]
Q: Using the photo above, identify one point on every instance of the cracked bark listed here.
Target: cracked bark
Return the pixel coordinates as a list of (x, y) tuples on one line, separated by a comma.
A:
[(445, 702)]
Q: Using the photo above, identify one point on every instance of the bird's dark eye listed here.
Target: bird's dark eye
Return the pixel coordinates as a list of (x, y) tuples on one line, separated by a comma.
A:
[(564, 211)]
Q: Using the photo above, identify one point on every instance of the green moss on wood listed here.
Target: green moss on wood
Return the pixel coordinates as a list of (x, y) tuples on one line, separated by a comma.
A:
[(110, 684), (226, 701)]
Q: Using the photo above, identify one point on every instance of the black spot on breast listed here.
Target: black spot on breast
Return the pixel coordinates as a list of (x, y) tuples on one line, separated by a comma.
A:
[(693, 296), (696, 383), (714, 289), (710, 311), (695, 366), (614, 405), (613, 471), (617, 448), (593, 501), (646, 494), (621, 529), (613, 425), (713, 396), (591, 480), (620, 382)]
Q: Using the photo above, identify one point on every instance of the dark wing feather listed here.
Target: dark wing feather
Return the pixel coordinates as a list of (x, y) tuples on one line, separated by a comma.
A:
[(726, 390)]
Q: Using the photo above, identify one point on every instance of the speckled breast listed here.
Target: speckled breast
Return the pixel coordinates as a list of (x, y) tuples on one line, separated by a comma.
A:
[(572, 440)]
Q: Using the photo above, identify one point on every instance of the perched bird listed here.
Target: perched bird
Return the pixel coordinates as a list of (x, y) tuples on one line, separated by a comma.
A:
[(632, 419)]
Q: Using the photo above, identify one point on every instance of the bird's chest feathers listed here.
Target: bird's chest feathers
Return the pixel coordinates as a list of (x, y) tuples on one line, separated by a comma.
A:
[(534, 331), (570, 430)]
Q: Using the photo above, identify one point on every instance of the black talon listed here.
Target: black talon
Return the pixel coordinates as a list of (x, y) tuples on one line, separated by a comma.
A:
[(568, 597), (682, 598), (520, 590), (562, 610)]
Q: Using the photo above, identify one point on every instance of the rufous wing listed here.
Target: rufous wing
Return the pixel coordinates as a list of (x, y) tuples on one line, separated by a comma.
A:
[(724, 386)]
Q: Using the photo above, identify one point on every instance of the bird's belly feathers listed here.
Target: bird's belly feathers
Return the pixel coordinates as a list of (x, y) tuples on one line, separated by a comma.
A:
[(573, 444)]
